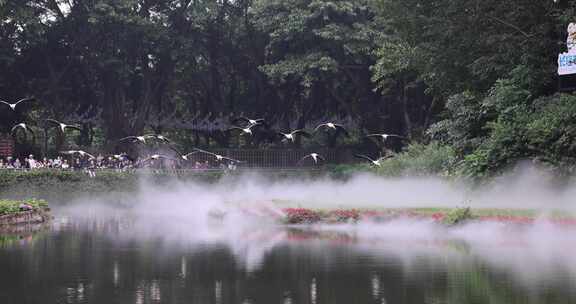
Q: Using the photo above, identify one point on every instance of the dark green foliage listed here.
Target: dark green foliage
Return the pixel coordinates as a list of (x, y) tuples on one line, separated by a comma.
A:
[(124, 67), (478, 76), (492, 64), (458, 46)]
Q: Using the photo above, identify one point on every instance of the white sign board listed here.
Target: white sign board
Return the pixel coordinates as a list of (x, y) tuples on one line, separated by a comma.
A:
[(566, 64), (567, 61)]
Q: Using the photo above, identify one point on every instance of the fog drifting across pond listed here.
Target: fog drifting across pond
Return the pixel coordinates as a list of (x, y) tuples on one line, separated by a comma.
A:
[(183, 215), (525, 188)]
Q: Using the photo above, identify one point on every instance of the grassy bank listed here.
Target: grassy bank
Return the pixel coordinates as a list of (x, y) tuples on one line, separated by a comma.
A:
[(62, 186)]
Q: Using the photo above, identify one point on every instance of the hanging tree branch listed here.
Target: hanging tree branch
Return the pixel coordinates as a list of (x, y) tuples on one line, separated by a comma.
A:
[(510, 25)]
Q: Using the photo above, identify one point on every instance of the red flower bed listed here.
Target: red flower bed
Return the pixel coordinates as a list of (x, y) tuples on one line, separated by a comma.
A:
[(386, 215), (308, 216), (301, 216), (507, 219), (438, 216), (565, 221), (343, 215), (527, 220)]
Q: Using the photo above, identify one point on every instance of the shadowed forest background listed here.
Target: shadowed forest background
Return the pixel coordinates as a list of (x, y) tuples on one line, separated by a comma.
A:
[(471, 84)]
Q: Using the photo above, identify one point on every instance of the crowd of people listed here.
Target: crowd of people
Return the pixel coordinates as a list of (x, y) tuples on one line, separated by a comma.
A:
[(118, 162), (60, 162)]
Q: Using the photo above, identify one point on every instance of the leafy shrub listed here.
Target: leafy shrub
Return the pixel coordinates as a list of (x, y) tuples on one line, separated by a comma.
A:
[(8, 207), (543, 132), (457, 216), (416, 160), (420, 159), (464, 126)]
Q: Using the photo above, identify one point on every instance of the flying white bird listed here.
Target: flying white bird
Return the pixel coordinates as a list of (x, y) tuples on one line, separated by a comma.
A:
[(377, 162), (13, 105), (156, 157), (63, 126), (119, 156), (251, 122), (182, 155), (292, 135), (143, 138), (384, 136), (79, 152), (22, 126), (158, 137), (247, 130), (333, 126), (217, 156), (140, 139), (314, 156)]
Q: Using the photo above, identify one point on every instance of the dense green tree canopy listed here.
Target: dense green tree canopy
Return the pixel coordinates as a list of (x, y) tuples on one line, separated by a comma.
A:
[(456, 71)]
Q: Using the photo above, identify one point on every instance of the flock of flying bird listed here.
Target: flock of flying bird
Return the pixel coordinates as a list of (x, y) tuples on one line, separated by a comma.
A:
[(24, 126), (246, 129)]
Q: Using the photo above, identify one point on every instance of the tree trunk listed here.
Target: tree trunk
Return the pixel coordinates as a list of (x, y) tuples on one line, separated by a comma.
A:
[(405, 108)]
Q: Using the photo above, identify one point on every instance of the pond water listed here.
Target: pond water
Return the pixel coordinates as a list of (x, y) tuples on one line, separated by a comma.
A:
[(119, 259)]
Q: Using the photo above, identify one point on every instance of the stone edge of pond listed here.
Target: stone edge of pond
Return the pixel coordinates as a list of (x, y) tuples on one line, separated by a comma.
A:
[(36, 216)]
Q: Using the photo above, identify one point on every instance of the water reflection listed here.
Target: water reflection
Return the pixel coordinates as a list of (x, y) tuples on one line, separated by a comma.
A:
[(115, 273), (24, 235), (313, 291), (183, 270), (120, 260)]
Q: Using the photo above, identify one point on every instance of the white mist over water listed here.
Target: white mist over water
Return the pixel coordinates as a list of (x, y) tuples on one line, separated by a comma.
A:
[(525, 188), (187, 213), (191, 201)]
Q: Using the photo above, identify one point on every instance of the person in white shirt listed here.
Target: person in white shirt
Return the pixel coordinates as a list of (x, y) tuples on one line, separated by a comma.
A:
[(31, 162)]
